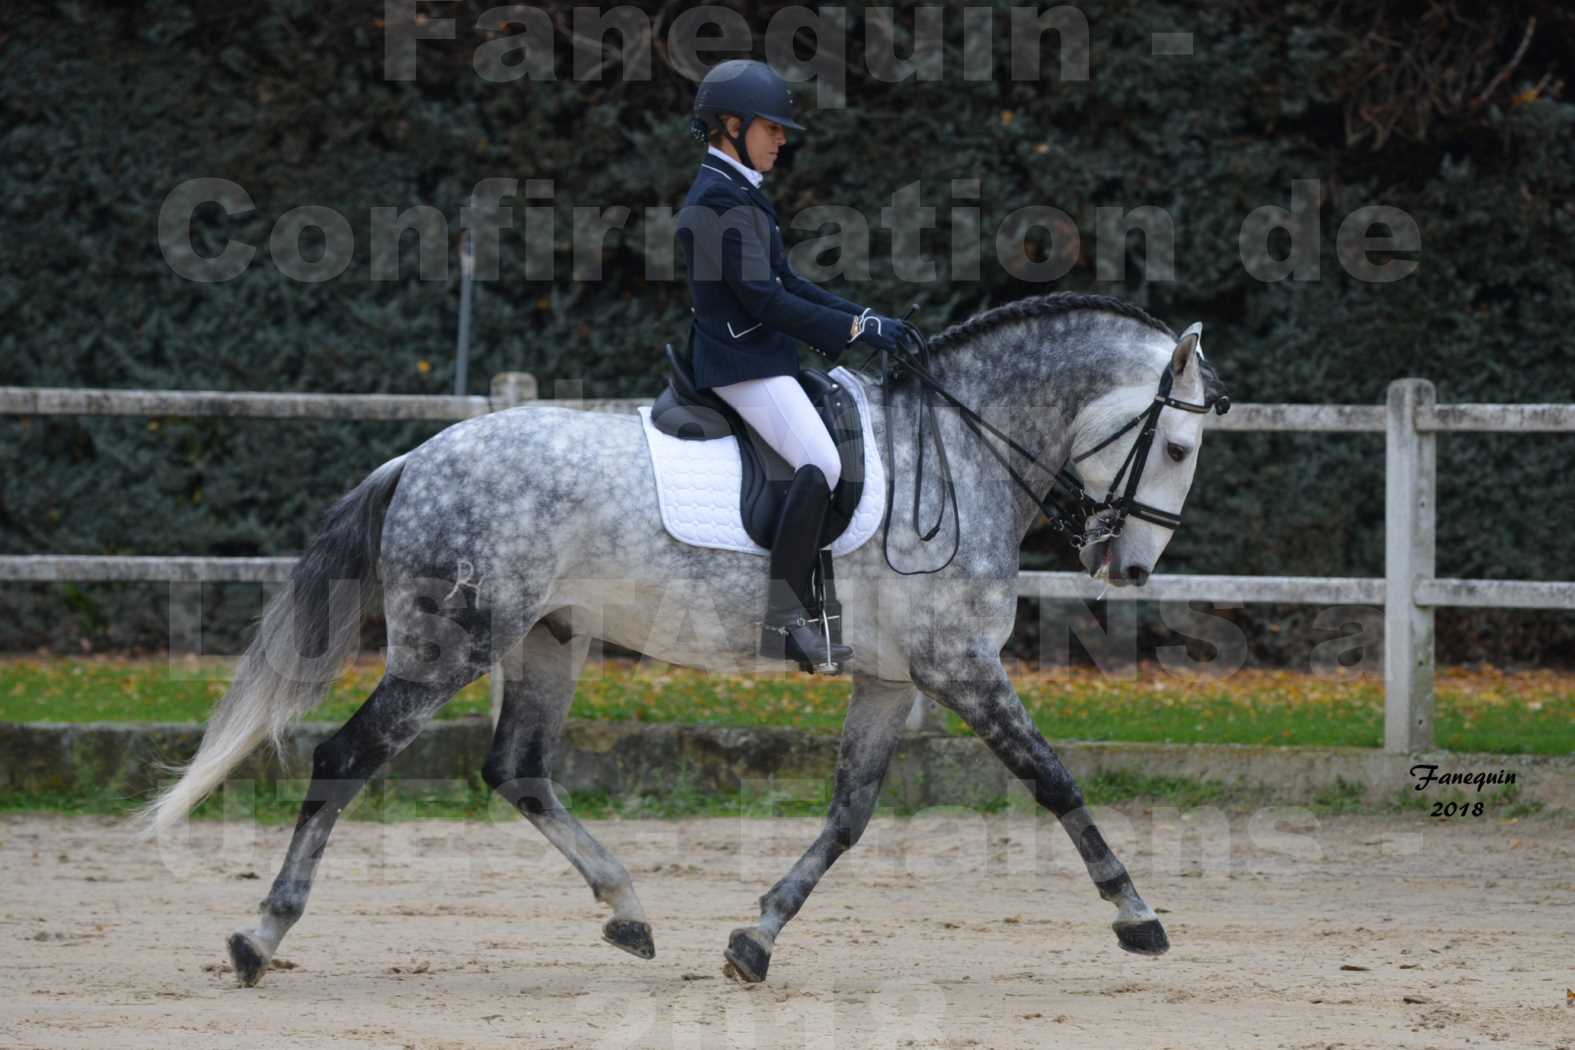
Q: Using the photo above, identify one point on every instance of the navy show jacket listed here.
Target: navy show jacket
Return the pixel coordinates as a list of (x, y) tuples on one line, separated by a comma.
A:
[(750, 308)]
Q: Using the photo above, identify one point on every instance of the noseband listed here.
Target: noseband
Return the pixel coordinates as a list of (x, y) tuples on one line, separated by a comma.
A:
[(1067, 505), (1112, 512)]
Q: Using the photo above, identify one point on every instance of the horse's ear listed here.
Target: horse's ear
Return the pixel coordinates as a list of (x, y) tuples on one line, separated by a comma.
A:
[(1191, 342)]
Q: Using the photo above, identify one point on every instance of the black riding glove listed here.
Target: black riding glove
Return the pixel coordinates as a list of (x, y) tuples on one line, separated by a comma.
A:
[(882, 333)]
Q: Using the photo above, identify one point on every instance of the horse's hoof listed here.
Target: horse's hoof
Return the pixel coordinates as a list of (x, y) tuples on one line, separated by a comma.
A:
[(1142, 938), (747, 958), (248, 960), (633, 937)]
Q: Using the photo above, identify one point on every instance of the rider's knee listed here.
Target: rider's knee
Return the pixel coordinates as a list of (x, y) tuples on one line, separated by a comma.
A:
[(833, 472), (823, 455)]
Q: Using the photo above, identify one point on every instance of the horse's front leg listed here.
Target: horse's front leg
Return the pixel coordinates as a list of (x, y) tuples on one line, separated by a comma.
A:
[(870, 732), (977, 689)]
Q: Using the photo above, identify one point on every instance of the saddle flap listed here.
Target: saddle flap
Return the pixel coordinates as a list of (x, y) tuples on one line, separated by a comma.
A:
[(762, 496)]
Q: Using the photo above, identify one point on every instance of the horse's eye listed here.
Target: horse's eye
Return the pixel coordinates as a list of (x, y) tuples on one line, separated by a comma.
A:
[(1176, 452)]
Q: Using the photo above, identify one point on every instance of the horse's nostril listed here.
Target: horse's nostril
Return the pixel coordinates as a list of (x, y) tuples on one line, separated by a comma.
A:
[(1137, 574)]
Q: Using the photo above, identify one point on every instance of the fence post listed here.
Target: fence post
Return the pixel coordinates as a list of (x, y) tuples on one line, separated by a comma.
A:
[(925, 715), (1410, 506), (467, 271), (508, 390)]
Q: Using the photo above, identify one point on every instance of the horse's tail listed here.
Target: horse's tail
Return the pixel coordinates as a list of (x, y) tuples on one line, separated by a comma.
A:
[(308, 631)]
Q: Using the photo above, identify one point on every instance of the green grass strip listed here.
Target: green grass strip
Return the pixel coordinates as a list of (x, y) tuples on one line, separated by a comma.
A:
[(1478, 709)]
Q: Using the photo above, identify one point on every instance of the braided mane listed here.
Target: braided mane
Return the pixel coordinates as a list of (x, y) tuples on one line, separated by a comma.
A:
[(1043, 306), (1052, 305)]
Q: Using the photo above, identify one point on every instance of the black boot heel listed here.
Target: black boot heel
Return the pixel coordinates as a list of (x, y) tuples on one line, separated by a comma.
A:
[(804, 642)]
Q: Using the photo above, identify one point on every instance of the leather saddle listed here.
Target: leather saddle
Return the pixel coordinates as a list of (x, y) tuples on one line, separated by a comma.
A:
[(699, 415)]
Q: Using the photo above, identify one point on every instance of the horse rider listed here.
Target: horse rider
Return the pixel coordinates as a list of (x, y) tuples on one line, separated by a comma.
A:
[(751, 310)]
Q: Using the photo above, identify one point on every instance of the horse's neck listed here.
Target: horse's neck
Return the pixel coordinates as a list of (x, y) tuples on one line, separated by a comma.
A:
[(1031, 383)]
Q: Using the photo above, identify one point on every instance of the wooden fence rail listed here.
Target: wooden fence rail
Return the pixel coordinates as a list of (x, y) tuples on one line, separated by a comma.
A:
[(1408, 592)]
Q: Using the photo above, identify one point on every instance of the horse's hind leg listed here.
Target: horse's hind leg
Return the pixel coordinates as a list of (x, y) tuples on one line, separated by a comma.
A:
[(389, 720), (981, 694), (870, 732), (537, 690)]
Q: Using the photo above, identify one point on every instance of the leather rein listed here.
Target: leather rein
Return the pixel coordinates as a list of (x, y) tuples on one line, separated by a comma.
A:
[(1067, 504)]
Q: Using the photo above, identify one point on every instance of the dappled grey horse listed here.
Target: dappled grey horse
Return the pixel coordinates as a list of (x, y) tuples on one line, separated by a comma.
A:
[(523, 535)]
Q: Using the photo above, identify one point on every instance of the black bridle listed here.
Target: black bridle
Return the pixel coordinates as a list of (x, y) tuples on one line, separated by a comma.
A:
[(1067, 504)]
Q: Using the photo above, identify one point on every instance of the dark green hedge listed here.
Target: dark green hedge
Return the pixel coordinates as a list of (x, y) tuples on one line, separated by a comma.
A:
[(104, 109)]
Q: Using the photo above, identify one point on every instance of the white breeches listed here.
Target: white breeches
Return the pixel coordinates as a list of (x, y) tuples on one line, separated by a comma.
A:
[(780, 412)]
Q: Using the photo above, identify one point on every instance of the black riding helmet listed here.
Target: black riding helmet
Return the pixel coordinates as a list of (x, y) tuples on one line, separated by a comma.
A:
[(747, 89)]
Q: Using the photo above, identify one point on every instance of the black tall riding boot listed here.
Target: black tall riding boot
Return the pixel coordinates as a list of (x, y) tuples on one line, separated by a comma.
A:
[(787, 633)]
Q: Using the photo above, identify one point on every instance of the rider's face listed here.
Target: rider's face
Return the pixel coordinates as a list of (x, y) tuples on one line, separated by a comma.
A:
[(763, 141)]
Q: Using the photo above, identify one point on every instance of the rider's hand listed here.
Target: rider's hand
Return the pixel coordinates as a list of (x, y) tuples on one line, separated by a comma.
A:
[(882, 333)]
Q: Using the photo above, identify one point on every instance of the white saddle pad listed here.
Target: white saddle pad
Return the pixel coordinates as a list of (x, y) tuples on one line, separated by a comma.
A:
[(697, 485)]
